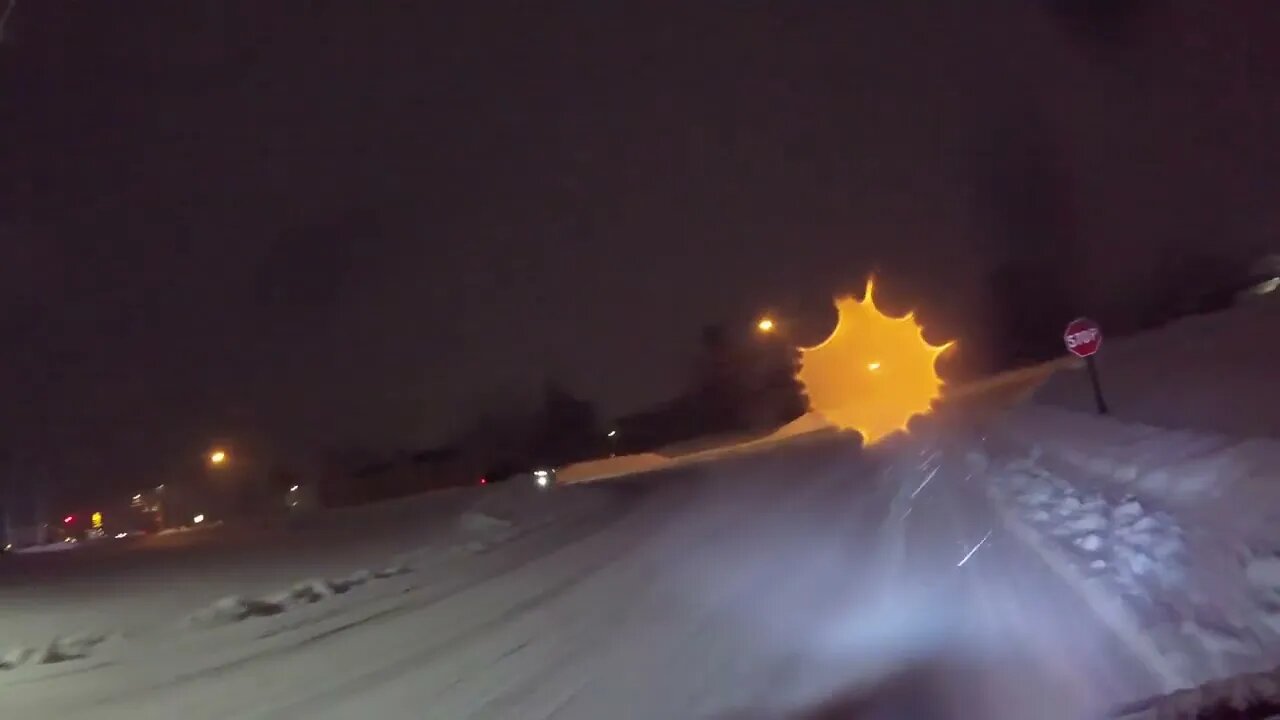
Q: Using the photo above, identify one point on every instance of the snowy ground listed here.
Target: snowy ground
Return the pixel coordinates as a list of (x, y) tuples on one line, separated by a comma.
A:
[(1174, 533), (138, 587), (1037, 563), (741, 588), (1165, 513)]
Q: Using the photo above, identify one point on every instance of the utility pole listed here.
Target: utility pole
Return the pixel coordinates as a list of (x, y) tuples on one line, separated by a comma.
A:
[(9, 497)]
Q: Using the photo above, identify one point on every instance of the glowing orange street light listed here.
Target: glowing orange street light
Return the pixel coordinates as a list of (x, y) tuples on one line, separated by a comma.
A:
[(900, 380), (218, 457), (765, 325)]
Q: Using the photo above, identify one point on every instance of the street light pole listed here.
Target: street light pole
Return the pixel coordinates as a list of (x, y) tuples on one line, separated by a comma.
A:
[(160, 506)]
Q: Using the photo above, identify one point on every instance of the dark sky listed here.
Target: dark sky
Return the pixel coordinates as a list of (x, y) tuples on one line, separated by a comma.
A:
[(323, 225)]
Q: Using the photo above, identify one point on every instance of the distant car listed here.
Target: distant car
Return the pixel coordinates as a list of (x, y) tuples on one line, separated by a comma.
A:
[(542, 476)]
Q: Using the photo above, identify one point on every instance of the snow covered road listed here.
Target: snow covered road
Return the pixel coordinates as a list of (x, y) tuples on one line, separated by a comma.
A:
[(744, 588)]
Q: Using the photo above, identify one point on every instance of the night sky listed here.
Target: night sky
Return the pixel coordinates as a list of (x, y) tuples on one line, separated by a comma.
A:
[(308, 227)]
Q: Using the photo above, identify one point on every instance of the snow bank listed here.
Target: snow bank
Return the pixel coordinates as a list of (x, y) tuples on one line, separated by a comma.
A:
[(996, 390), (1176, 531), (235, 608), (1214, 373), (605, 468), (1255, 695), (809, 424), (62, 648), (226, 610), (1225, 485)]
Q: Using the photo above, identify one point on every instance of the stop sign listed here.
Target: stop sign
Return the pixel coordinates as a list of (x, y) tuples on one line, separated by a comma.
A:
[(1083, 337)]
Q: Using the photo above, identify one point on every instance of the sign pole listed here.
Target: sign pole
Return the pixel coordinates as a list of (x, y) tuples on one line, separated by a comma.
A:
[(1083, 338), (1097, 385)]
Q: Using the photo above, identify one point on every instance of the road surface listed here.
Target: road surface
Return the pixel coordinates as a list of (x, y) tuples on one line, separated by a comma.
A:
[(744, 588)]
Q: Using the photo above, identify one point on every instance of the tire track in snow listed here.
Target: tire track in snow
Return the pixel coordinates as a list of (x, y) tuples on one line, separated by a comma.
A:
[(565, 565), (145, 689), (681, 651)]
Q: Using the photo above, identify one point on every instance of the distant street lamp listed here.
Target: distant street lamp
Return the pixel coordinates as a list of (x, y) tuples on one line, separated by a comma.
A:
[(218, 457), (613, 442), (766, 325)]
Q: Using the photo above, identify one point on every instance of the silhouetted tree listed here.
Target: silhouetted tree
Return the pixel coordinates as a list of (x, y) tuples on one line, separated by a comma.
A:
[(1026, 191), (721, 385), (1029, 315), (1186, 283), (781, 394), (568, 429)]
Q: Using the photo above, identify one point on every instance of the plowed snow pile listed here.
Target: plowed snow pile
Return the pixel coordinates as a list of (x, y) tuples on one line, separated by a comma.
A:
[(1168, 511), (1215, 373)]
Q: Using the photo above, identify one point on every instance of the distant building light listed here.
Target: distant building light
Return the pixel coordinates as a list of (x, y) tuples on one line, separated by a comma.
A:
[(293, 489), (198, 519)]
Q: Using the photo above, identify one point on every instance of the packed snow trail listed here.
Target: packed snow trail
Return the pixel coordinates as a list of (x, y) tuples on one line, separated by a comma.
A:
[(744, 588)]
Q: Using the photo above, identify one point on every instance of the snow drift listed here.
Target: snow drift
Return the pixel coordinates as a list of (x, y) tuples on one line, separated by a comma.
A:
[(1214, 373)]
